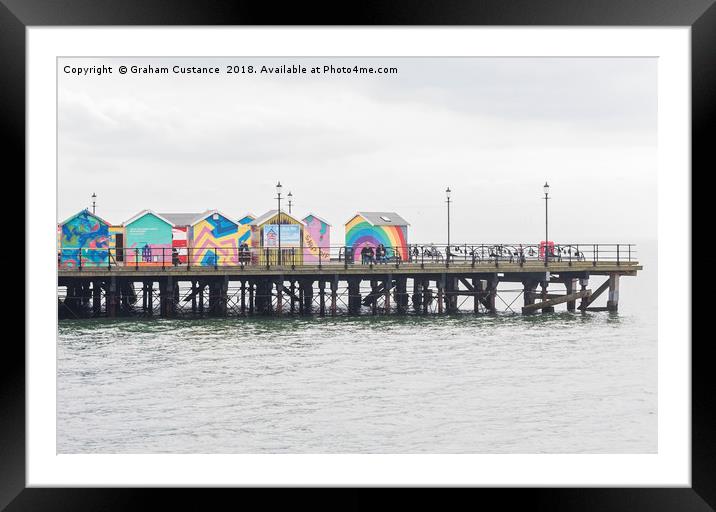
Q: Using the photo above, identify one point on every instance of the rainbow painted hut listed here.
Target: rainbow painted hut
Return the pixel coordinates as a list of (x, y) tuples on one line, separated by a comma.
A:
[(374, 228), (316, 239), (84, 241)]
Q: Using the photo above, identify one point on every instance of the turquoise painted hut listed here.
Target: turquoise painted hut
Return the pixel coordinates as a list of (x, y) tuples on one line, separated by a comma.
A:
[(84, 241), (148, 240)]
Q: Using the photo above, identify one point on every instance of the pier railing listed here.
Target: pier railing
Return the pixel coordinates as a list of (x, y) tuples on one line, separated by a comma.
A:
[(421, 255)]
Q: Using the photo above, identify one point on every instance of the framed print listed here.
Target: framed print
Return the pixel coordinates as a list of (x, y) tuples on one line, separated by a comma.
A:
[(434, 249)]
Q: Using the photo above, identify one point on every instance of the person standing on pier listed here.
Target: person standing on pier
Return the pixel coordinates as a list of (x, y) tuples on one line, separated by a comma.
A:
[(380, 253)]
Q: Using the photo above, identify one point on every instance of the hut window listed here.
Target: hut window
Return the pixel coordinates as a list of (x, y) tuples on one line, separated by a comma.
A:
[(386, 219), (215, 216)]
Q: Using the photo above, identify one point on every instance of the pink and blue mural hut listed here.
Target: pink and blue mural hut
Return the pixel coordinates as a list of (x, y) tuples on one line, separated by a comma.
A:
[(148, 240), (213, 240), (84, 241), (316, 239)]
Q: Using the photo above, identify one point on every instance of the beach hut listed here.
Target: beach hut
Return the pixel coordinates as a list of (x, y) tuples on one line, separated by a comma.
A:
[(245, 228), (148, 240), (116, 245), (316, 239), (213, 240), (265, 234), (374, 228), (84, 240), (180, 232)]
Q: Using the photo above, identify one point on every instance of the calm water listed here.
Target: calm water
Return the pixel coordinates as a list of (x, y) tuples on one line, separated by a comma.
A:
[(561, 383)]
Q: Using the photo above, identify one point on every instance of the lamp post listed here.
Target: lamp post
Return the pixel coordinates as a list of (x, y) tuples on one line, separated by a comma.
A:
[(94, 197), (447, 194), (290, 196), (546, 232), (278, 196)]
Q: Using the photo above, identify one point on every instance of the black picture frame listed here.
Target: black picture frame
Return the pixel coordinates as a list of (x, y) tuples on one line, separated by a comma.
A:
[(16, 15)]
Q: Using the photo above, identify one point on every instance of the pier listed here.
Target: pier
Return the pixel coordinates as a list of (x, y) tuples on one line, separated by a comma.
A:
[(466, 278)]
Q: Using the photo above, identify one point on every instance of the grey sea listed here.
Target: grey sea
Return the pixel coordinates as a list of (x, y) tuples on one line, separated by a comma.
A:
[(555, 383)]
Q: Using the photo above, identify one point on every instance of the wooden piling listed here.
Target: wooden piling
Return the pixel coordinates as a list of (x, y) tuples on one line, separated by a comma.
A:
[(571, 286), (417, 294), (334, 296), (387, 286), (374, 293), (96, 298), (440, 283), (354, 296), (322, 297), (613, 297), (111, 297), (279, 297)]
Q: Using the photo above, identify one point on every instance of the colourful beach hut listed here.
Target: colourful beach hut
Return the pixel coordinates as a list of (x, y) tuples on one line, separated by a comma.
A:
[(148, 240), (245, 228), (213, 240), (180, 232), (316, 239), (116, 245), (374, 228), (84, 241), (265, 238)]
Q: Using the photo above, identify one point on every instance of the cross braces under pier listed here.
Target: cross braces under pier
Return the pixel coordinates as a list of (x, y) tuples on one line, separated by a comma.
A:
[(374, 290)]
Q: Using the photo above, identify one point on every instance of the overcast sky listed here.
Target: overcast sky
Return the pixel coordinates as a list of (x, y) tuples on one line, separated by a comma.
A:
[(492, 129)]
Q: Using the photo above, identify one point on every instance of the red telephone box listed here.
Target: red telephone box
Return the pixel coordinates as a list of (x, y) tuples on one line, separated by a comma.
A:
[(550, 249)]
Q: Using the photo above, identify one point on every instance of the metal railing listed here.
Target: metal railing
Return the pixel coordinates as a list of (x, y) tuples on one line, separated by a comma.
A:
[(423, 255)]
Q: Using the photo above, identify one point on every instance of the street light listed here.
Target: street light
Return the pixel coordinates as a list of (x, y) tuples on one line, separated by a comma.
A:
[(278, 196), (447, 194), (94, 197), (290, 196), (546, 232)]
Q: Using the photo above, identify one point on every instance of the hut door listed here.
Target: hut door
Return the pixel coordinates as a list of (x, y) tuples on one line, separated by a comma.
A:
[(119, 246)]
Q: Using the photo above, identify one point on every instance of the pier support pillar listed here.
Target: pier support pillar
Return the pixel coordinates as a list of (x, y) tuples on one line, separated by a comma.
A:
[(111, 297), (243, 296), (354, 297), (613, 298), (307, 287), (279, 296), (451, 288), (387, 286), (441, 292), (322, 297), (530, 290), (217, 296), (427, 296), (96, 298), (401, 295), (264, 296), (417, 294), (334, 295), (292, 290), (374, 295), (252, 288), (548, 309), (166, 297), (491, 298), (201, 285), (583, 283), (571, 286), (478, 290)]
